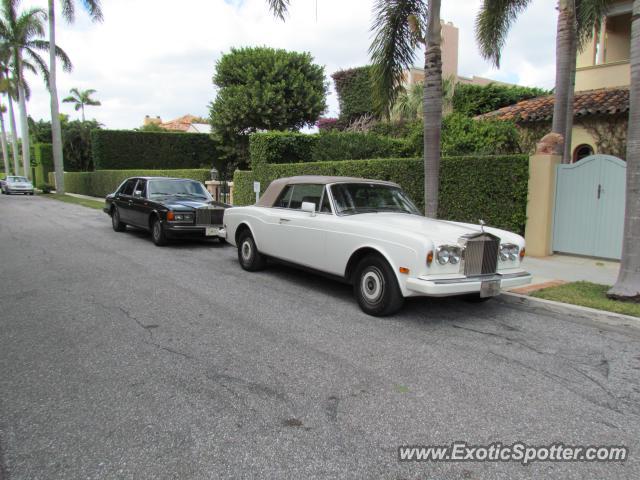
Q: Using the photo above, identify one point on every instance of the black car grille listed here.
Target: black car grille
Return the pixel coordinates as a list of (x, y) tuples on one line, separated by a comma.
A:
[(208, 216), (481, 255)]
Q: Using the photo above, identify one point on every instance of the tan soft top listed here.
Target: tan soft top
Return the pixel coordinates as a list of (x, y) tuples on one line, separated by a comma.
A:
[(273, 190)]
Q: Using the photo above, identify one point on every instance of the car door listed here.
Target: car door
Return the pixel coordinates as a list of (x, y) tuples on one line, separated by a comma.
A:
[(140, 205), (124, 200), (298, 236)]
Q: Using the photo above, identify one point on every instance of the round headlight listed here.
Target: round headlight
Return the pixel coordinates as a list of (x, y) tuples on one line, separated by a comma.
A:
[(504, 253), (443, 255), (454, 256), (513, 253)]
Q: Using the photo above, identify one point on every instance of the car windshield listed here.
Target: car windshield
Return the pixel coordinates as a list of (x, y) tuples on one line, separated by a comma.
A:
[(353, 198), (189, 188), (17, 179)]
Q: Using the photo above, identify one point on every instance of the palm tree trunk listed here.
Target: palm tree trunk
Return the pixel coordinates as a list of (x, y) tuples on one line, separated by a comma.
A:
[(432, 107), (567, 156), (56, 129), (566, 32), (82, 106), (14, 137), (24, 131), (627, 286), (3, 139)]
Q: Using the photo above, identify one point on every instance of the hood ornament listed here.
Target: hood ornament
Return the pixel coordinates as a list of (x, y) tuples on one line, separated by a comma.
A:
[(482, 224)]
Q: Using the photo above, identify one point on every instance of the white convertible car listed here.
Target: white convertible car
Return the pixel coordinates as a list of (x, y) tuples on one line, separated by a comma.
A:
[(370, 234)]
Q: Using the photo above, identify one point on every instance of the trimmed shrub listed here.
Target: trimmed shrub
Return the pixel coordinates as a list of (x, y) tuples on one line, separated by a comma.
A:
[(125, 149), (355, 92), (472, 100), (103, 182), (465, 136), (42, 163), (493, 188), (294, 147)]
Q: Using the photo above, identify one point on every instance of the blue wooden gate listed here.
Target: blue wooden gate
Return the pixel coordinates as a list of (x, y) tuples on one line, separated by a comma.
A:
[(589, 208)]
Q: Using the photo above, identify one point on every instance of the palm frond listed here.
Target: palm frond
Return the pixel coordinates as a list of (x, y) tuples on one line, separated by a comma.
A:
[(67, 66), (393, 47), (493, 23), (279, 8), (92, 7), (589, 15)]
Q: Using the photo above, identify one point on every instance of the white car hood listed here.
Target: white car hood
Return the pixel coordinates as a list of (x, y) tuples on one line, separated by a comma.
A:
[(440, 231)]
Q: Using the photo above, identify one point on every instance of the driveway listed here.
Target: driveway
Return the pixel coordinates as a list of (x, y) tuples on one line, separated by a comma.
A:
[(119, 359)]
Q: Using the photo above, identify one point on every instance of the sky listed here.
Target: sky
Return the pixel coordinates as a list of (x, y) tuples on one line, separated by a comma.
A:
[(157, 57)]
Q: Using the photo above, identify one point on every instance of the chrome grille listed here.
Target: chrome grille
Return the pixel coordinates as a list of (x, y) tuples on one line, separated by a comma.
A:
[(481, 255), (209, 216)]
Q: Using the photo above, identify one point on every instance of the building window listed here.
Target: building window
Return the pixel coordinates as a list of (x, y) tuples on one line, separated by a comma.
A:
[(582, 151)]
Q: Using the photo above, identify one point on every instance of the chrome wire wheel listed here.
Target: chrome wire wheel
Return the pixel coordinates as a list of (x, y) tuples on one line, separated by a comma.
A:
[(372, 285), (157, 233)]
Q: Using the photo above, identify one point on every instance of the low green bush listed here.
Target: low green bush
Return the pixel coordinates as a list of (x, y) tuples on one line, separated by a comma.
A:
[(492, 188), (294, 147), (42, 162), (102, 182), (126, 149)]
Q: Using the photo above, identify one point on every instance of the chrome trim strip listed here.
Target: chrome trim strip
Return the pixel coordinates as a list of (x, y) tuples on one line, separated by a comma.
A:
[(479, 278)]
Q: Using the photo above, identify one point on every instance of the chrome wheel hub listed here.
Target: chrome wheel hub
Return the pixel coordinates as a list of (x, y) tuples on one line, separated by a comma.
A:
[(372, 285), (246, 251)]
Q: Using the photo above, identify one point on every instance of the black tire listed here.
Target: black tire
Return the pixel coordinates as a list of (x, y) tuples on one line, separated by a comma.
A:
[(116, 223), (158, 235), (249, 257), (475, 298), (376, 287), (30, 193)]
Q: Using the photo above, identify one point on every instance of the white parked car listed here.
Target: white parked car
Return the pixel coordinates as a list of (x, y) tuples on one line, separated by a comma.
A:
[(17, 184), (370, 234)]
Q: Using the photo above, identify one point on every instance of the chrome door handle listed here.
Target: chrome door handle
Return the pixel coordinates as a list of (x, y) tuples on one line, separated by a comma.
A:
[(283, 220)]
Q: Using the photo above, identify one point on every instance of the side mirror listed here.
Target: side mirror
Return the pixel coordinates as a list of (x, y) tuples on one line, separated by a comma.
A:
[(309, 207), (137, 193)]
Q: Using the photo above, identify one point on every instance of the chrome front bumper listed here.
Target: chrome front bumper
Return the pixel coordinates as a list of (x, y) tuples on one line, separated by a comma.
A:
[(463, 285)]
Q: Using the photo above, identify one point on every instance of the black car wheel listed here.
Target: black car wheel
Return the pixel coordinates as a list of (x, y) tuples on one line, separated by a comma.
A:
[(157, 233), (117, 225), (248, 255), (376, 287)]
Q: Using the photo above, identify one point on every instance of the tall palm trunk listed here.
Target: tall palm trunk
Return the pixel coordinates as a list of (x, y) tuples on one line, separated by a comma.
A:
[(432, 107), (56, 130), (627, 286), (564, 40), (3, 139), (24, 130), (14, 137), (567, 156)]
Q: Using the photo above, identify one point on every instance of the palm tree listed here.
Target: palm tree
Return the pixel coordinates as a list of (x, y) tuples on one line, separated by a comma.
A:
[(576, 22), (23, 32), (627, 286), (399, 27), (3, 139), (68, 11), (408, 104), (81, 98), (7, 88)]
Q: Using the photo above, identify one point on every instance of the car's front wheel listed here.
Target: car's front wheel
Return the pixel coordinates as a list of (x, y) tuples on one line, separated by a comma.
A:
[(116, 223), (248, 255), (158, 235), (376, 287)]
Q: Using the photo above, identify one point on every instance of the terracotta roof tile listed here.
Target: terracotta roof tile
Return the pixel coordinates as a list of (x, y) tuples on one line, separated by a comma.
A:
[(589, 102), (183, 123)]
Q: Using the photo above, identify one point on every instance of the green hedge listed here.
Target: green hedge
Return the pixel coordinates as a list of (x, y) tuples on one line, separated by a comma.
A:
[(294, 147), (125, 149), (102, 182), (355, 92), (42, 163), (493, 188)]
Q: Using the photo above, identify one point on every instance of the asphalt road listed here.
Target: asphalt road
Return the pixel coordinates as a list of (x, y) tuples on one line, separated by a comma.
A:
[(119, 359)]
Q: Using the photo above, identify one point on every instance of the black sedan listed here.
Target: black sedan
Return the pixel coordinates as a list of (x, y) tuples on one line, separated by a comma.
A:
[(167, 207)]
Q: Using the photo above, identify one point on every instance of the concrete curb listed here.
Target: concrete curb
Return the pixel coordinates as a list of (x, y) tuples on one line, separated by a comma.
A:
[(593, 314)]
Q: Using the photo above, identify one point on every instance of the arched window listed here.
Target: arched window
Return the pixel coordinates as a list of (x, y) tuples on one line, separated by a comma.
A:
[(582, 151)]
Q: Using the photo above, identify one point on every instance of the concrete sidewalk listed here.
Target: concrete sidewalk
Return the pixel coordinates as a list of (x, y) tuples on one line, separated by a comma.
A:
[(86, 197), (558, 269)]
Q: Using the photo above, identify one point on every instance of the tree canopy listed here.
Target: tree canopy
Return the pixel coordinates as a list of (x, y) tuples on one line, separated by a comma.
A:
[(263, 88)]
